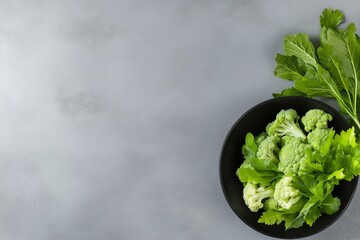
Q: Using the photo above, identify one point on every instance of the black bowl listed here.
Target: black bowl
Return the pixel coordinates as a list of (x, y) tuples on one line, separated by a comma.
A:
[(255, 121)]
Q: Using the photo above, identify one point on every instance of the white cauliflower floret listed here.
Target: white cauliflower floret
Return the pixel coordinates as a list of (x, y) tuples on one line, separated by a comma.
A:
[(254, 196), (285, 195)]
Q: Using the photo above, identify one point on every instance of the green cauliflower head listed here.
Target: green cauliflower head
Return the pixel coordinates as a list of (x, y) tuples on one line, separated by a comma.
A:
[(285, 124), (291, 155), (315, 118), (268, 149), (259, 138), (320, 139)]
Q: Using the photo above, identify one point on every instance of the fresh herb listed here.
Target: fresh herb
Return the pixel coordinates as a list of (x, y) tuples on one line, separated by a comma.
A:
[(331, 70)]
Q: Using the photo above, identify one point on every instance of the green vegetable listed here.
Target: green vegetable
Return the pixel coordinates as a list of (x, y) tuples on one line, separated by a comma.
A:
[(285, 124), (314, 162), (291, 177), (250, 147), (254, 196), (271, 204), (315, 118), (330, 205), (347, 153), (260, 138), (253, 169), (285, 195), (268, 148), (331, 70), (274, 214), (292, 155), (320, 139), (247, 173)]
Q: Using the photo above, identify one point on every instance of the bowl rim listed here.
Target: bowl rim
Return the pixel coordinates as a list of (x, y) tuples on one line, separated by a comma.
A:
[(355, 179)]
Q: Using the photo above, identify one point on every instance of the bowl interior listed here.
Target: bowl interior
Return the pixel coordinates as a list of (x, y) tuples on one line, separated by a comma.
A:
[(255, 121)]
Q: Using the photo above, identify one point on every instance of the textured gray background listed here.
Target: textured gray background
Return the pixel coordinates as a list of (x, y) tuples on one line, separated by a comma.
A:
[(113, 113)]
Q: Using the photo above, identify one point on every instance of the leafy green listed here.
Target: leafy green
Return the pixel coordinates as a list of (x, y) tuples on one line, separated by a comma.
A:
[(253, 169), (272, 217), (330, 205), (289, 67), (299, 45), (331, 70), (331, 19), (289, 92), (250, 147), (278, 215), (250, 174)]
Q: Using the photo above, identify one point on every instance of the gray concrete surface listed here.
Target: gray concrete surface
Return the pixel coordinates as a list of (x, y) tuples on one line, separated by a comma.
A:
[(113, 113)]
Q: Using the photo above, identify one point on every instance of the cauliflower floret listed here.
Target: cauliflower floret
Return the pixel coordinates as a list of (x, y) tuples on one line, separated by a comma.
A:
[(259, 138), (315, 118), (268, 149), (291, 155), (285, 124), (254, 196), (285, 195), (320, 139)]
